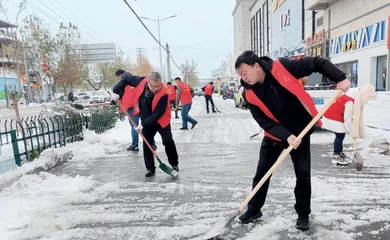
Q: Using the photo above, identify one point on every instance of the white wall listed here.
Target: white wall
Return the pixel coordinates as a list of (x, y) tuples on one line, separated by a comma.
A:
[(367, 61)]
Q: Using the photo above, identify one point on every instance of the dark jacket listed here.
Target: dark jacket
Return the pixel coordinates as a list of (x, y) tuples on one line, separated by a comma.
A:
[(285, 106), (145, 101)]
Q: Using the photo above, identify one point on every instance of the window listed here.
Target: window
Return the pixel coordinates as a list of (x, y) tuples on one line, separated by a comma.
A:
[(261, 32), (351, 71), (320, 21), (264, 28), (256, 45), (381, 73), (253, 34), (268, 26)]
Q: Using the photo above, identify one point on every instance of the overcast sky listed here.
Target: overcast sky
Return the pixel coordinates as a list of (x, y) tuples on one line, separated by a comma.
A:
[(203, 29)]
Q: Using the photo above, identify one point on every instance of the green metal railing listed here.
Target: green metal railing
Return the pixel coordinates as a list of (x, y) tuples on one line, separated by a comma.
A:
[(32, 135)]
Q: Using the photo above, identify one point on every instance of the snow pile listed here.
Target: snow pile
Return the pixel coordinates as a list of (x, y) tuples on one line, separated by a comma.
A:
[(94, 146)]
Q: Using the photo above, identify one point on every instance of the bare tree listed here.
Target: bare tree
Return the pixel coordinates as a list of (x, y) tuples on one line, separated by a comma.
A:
[(189, 73)]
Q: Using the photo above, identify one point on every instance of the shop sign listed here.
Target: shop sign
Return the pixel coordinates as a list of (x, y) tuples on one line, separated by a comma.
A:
[(315, 51), (361, 38), (317, 38), (285, 20)]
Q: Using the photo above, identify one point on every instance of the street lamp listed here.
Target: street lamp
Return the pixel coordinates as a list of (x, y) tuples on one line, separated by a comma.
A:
[(158, 20)]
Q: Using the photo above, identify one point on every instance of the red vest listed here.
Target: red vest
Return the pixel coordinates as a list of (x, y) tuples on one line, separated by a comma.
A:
[(289, 82), (336, 110), (186, 97), (128, 100), (208, 90), (165, 120), (171, 92)]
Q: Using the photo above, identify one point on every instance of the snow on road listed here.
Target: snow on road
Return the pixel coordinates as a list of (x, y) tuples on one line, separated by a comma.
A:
[(102, 192)]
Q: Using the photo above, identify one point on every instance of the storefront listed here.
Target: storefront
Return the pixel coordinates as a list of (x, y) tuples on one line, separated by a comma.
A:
[(316, 47), (362, 55)]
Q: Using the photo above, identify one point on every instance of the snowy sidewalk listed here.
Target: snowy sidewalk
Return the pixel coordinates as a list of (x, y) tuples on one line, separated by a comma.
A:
[(102, 192)]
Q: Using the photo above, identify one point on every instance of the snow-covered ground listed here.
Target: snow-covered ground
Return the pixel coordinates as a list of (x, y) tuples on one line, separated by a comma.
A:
[(101, 193)]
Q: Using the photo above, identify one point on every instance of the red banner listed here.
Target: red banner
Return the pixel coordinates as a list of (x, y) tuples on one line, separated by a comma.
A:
[(388, 33)]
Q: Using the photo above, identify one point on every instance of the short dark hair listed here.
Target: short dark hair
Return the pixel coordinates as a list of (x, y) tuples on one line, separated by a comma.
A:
[(119, 72), (169, 83), (211, 83), (247, 57), (177, 78)]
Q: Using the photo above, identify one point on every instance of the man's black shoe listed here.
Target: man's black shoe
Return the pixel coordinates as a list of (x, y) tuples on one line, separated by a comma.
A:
[(183, 128), (176, 168), (303, 223), (149, 173), (249, 216), (193, 125)]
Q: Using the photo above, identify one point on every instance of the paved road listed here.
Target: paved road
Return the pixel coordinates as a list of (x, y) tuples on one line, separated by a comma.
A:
[(217, 162)]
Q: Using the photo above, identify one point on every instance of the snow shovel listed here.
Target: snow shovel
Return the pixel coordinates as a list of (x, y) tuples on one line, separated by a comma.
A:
[(280, 159), (357, 157), (256, 134), (161, 165)]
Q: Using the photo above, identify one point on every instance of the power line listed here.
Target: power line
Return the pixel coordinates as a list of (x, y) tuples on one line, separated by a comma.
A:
[(40, 10), (65, 20), (74, 17), (151, 34)]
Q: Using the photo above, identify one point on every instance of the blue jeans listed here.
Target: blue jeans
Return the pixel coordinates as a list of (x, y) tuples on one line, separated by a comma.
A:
[(134, 133), (338, 143), (185, 109)]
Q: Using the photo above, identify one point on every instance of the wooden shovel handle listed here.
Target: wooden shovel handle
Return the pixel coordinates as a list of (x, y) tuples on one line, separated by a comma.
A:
[(140, 132), (285, 152)]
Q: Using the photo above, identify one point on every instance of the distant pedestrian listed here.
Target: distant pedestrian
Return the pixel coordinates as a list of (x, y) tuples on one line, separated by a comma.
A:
[(172, 97), (184, 98), (208, 95)]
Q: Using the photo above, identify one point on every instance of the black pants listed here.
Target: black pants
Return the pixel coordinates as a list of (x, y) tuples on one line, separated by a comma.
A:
[(209, 99), (269, 152), (173, 107), (149, 132), (338, 143)]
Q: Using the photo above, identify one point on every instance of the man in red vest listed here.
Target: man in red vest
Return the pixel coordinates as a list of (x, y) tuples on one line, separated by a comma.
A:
[(152, 103), (172, 97), (283, 109), (208, 94), (128, 102), (184, 97)]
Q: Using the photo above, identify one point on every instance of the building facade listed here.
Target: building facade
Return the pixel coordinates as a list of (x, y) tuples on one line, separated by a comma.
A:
[(287, 28), (241, 27), (358, 37), (260, 22)]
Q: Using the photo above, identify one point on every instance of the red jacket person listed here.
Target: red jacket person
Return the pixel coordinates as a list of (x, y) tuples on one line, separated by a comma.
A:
[(281, 106), (152, 103)]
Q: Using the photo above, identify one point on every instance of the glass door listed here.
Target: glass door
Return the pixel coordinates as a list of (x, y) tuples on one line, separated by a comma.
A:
[(354, 74), (381, 73)]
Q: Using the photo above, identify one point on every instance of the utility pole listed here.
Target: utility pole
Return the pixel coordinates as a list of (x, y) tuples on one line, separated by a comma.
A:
[(158, 20), (140, 54), (168, 63), (159, 40)]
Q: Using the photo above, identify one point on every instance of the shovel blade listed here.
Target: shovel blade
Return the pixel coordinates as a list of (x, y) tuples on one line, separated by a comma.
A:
[(220, 227), (167, 169), (358, 159)]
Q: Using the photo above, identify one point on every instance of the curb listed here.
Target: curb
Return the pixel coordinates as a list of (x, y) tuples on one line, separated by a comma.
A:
[(59, 158)]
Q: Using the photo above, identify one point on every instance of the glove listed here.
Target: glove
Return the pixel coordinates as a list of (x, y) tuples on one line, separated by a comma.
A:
[(139, 128)]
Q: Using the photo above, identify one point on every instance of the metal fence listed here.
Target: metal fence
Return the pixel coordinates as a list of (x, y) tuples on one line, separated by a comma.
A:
[(32, 135)]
